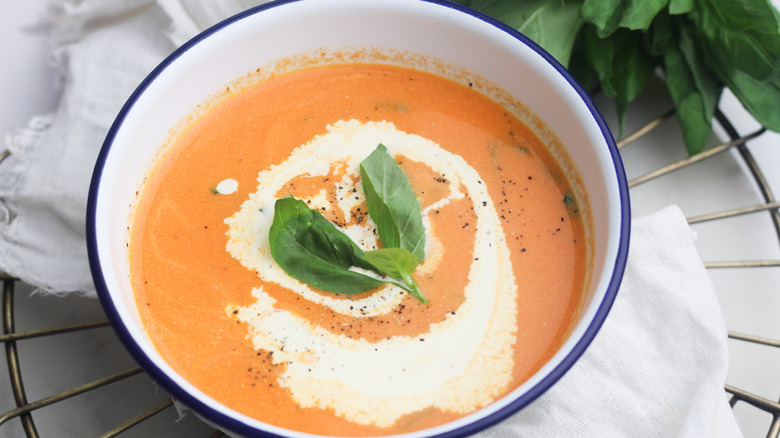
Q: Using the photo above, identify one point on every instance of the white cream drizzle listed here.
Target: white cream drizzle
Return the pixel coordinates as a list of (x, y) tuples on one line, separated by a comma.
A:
[(464, 361)]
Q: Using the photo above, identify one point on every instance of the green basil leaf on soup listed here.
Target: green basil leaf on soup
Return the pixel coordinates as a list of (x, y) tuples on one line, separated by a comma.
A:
[(311, 249), (392, 204)]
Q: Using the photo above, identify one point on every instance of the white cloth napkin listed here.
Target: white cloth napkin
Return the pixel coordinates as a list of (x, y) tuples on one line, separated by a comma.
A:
[(656, 369), (658, 364)]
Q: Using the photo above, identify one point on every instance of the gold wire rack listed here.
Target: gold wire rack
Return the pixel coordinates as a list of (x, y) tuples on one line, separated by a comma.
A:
[(27, 411)]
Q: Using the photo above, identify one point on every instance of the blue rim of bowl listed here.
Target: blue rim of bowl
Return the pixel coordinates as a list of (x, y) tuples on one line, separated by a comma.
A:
[(237, 426)]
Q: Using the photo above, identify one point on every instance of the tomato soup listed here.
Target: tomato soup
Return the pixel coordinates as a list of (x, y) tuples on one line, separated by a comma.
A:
[(506, 264)]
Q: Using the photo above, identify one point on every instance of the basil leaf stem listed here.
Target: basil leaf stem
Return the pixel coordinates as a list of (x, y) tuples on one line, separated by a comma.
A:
[(397, 263)]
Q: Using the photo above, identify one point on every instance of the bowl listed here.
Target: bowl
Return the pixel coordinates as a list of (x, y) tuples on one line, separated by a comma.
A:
[(438, 34)]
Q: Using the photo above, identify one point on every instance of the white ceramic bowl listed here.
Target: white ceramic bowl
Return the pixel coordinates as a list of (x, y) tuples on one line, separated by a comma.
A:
[(435, 30)]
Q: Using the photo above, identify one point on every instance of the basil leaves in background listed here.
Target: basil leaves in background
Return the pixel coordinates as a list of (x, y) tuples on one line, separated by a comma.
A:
[(553, 24), (311, 249), (701, 46)]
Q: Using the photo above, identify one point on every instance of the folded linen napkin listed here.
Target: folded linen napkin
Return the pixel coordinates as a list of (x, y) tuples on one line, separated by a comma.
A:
[(656, 369)]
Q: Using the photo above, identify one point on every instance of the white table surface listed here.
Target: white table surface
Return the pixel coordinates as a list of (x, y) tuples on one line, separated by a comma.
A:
[(750, 298)]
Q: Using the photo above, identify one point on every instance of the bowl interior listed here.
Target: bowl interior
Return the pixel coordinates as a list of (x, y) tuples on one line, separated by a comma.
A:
[(257, 38)]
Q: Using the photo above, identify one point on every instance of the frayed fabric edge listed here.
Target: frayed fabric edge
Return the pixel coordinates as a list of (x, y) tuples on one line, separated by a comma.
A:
[(48, 290), (19, 143), (183, 411), (54, 292), (30, 136)]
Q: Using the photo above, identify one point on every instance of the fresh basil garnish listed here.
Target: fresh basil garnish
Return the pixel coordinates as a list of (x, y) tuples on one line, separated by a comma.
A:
[(311, 249), (392, 204)]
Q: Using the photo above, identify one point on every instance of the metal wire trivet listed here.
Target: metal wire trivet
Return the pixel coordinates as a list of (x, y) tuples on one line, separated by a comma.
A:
[(26, 410)]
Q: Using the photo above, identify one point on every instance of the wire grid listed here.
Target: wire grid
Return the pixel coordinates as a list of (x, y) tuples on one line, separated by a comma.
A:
[(25, 410)]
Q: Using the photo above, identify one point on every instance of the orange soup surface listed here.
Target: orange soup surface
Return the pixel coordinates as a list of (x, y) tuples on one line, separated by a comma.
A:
[(504, 272)]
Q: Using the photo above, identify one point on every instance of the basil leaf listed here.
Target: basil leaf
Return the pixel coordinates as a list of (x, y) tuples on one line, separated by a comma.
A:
[(742, 49), (661, 36), (694, 90), (604, 14), (760, 98), (392, 204), (640, 13), (608, 15), (621, 64), (741, 35), (553, 24), (579, 66), (311, 249), (399, 264), (680, 6)]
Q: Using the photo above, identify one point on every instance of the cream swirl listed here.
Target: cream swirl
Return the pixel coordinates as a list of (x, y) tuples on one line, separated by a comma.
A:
[(466, 359)]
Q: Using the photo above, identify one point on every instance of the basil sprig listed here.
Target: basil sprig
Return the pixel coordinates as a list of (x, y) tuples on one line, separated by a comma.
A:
[(311, 249)]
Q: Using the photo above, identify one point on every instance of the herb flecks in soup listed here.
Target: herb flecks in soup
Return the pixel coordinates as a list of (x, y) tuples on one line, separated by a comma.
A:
[(458, 364), (504, 268)]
